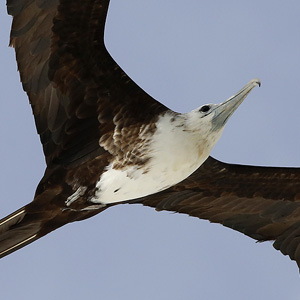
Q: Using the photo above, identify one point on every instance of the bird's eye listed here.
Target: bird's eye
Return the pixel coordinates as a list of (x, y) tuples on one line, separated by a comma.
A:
[(204, 108)]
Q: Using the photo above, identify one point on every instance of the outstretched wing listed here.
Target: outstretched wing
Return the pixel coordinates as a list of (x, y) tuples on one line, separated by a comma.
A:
[(85, 107), (77, 91), (261, 202)]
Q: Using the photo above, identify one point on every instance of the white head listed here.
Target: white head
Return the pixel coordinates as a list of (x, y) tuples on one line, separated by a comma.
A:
[(207, 122)]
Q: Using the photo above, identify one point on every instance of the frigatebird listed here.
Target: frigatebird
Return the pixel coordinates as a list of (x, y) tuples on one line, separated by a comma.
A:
[(79, 96)]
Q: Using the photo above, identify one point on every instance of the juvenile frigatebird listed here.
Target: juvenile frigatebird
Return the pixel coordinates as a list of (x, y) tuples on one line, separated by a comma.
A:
[(71, 80)]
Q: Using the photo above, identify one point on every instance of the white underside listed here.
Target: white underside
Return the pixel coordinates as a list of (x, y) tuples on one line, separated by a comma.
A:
[(175, 151)]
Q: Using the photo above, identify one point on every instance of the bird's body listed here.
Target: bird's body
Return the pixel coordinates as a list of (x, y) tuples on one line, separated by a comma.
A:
[(168, 155), (167, 152), (106, 141)]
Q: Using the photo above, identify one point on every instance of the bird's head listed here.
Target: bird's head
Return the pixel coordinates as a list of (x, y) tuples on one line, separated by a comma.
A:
[(208, 121)]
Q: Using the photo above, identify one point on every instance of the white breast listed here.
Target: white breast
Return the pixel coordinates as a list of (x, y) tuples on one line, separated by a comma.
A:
[(175, 152)]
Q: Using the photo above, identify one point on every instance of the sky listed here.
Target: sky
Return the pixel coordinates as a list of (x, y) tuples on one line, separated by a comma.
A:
[(184, 54)]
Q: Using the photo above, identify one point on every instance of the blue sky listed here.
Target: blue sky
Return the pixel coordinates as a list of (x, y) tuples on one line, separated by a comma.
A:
[(184, 54)]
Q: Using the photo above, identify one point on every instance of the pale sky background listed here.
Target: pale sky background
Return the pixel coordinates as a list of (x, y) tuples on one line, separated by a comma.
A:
[(185, 54)]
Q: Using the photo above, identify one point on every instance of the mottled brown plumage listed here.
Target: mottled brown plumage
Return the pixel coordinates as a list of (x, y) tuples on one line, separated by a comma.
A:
[(88, 111)]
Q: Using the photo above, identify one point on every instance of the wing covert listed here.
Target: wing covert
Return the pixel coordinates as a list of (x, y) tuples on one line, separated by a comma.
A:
[(77, 91)]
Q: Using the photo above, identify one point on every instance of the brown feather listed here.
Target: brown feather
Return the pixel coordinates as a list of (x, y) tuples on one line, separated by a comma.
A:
[(77, 91), (261, 202)]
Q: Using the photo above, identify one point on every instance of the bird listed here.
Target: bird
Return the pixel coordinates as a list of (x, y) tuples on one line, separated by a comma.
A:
[(107, 142)]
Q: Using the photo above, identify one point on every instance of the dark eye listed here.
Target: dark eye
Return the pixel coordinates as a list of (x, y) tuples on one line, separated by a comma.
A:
[(204, 108)]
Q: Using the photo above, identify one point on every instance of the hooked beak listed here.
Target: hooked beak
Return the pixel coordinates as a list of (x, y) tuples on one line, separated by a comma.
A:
[(225, 109)]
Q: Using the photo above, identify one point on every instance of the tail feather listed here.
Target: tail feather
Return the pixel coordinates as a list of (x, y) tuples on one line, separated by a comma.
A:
[(32, 221), (16, 233)]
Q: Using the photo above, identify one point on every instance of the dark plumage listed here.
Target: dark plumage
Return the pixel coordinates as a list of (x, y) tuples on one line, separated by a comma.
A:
[(80, 96)]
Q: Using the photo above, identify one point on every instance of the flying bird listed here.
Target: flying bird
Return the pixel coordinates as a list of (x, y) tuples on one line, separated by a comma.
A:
[(107, 142)]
